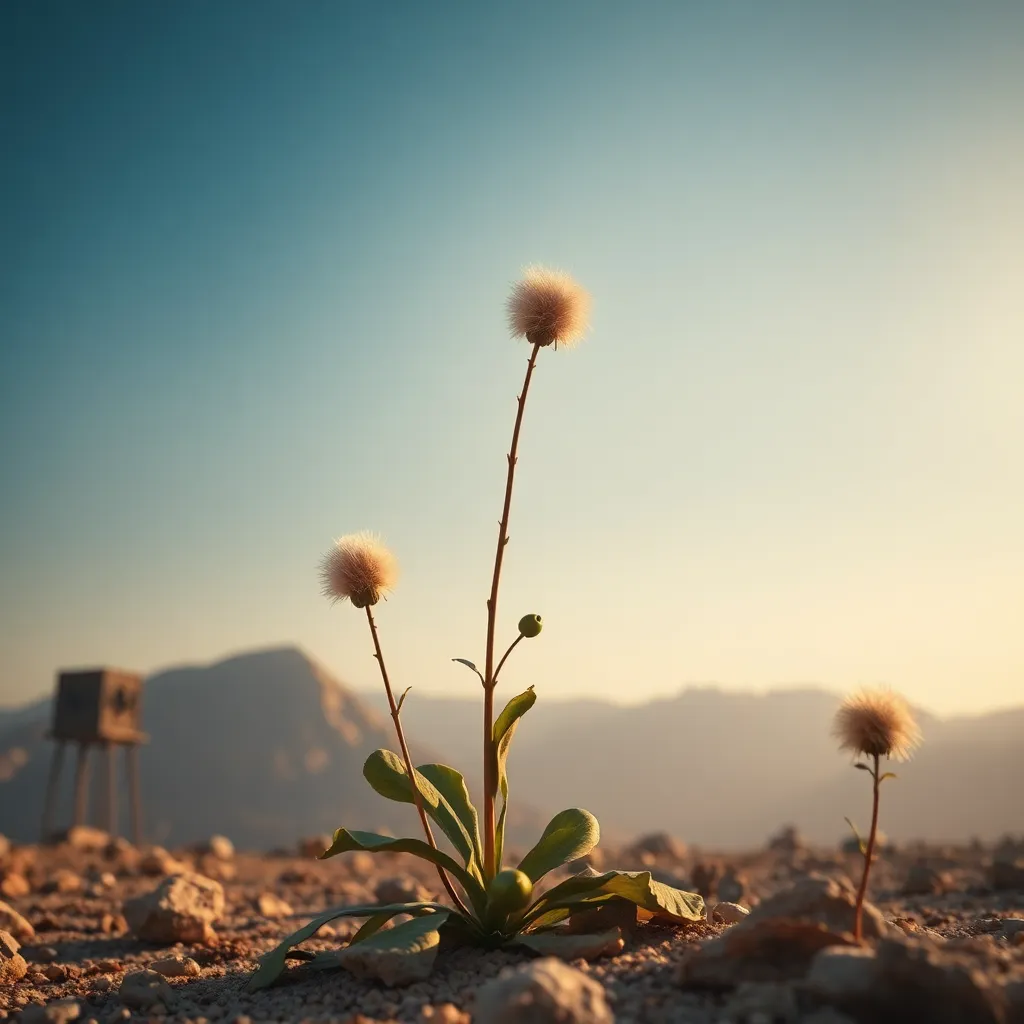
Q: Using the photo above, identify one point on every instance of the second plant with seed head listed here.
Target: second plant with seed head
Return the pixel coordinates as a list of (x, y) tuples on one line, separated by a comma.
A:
[(874, 723)]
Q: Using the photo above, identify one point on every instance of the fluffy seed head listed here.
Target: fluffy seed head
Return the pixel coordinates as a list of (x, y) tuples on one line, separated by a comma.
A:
[(876, 722), (548, 306), (358, 568)]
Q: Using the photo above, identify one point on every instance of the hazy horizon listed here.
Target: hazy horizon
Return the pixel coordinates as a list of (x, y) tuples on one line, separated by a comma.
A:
[(254, 261)]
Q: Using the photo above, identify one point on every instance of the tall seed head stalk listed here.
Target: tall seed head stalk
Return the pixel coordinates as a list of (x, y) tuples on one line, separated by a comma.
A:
[(875, 724), (360, 568), (546, 307)]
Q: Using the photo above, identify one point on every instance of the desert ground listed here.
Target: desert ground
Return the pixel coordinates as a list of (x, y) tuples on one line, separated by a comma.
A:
[(944, 942)]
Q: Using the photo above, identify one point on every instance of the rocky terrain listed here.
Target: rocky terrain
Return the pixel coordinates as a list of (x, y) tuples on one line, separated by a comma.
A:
[(98, 931)]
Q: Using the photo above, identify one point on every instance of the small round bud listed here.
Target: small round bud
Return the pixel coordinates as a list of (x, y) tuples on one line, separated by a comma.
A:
[(530, 625), (510, 890)]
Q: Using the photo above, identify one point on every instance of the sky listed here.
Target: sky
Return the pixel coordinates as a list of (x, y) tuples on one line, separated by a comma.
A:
[(253, 264)]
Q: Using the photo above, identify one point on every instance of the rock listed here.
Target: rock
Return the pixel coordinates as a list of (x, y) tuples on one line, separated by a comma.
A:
[(181, 909), (660, 844), (401, 889), (11, 921), (545, 991), (61, 1011), (85, 838), (1007, 874), (923, 880), (142, 990), (787, 841), (14, 885), (771, 950), (157, 861), (905, 980), (55, 972), (705, 878), (273, 907), (729, 913), (113, 924), (176, 967), (217, 846), (12, 964), (313, 846), (123, 853), (820, 899), (732, 886), (64, 881)]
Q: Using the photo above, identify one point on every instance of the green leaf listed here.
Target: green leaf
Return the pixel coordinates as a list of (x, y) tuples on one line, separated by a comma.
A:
[(469, 664), (663, 901), (503, 731), (385, 772), (861, 845), (452, 786), (570, 946), (375, 923), (401, 700), (346, 840), (569, 835), (887, 775), (272, 963), (397, 956)]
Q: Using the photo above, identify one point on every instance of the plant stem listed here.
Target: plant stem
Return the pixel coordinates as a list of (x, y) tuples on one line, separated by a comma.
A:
[(417, 799), (490, 762), (511, 648), (869, 852)]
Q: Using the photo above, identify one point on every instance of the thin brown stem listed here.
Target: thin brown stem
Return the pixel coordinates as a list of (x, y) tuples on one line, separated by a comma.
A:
[(869, 853), (490, 762), (417, 799)]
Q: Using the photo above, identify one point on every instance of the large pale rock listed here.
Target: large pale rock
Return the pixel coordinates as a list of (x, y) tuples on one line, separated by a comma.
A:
[(182, 908), (905, 980), (822, 899), (11, 921), (12, 964), (144, 989), (545, 991)]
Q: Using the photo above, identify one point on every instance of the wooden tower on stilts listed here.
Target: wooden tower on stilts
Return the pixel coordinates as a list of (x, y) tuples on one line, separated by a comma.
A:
[(99, 708)]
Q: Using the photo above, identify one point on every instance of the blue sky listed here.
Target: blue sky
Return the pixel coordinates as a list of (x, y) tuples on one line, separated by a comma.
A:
[(254, 260)]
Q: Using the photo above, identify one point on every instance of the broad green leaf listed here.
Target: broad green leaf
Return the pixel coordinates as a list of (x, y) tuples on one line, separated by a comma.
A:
[(503, 731), (375, 923), (571, 946), (570, 834), (399, 955), (452, 786), (663, 901), (272, 963), (346, 840), (385, 772)]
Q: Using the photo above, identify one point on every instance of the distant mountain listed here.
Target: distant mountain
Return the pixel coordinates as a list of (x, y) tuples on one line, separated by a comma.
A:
[(727, 769), (264, 747)]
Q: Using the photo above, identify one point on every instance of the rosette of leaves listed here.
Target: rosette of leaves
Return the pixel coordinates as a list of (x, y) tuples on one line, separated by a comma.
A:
[(582, 916)]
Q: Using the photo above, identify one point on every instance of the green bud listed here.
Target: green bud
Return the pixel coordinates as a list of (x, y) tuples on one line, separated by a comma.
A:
[(509, 891), (530, 625)]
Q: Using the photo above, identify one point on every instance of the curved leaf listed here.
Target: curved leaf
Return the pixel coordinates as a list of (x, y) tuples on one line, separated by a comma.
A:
[(399, 955), (272, 963), (346, 840), (452, 786), (662, 901), (385, 771), (470, 665), (570, 834), (570, 946), (503, 731)]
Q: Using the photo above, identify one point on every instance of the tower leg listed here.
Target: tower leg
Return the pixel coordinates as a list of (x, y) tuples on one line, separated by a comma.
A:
[(111, 801), (82, 784), (50, 806), (131, 755)]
